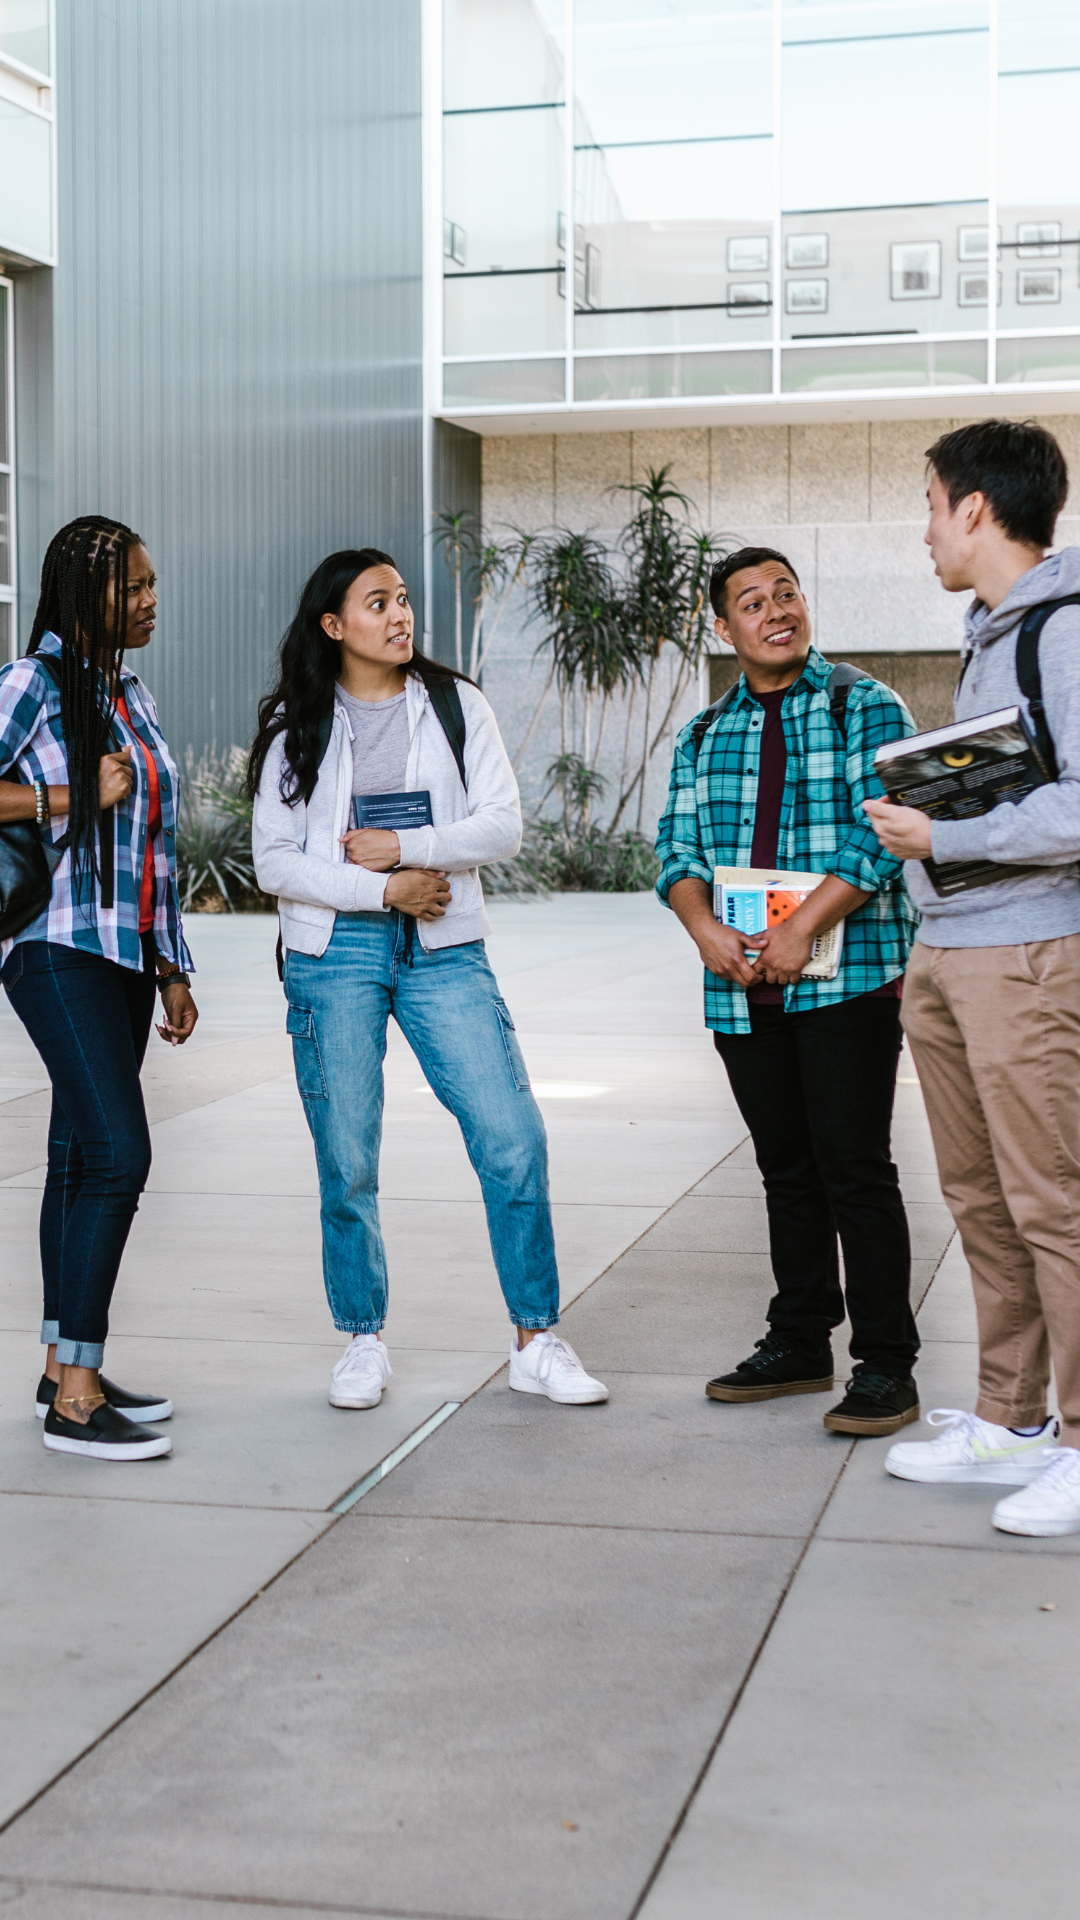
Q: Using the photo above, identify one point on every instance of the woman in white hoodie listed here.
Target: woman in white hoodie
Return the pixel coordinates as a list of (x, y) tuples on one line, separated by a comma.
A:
[(388, 918)]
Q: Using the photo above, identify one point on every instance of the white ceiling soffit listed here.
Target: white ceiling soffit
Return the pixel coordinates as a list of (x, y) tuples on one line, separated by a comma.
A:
[(928, 404)]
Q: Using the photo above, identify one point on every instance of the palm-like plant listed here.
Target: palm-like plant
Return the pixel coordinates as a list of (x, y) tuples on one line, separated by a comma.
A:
[(488, 569), (213, 830)]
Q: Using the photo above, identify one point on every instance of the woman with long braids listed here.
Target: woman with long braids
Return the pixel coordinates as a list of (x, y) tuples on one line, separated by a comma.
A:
[(386, 916), (82, 753)]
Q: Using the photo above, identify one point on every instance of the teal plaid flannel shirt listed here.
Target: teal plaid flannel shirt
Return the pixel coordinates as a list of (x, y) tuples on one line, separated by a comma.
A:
[(709, 822)]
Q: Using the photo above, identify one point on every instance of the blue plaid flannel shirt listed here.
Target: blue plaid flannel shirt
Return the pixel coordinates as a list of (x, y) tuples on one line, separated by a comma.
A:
[(709, 822), (32, 748)]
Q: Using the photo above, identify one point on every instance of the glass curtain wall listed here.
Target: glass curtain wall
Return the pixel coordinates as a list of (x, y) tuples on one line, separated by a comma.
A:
[(7, 481), (768, 197)]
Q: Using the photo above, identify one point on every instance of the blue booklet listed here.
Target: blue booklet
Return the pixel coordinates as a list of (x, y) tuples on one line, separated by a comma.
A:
[(392, 812)]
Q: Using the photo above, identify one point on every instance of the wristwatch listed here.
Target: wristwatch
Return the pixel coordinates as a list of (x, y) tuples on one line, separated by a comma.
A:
[(175, 977)]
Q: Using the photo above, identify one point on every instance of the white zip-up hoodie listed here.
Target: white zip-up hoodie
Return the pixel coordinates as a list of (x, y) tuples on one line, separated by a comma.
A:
[(298, 852)]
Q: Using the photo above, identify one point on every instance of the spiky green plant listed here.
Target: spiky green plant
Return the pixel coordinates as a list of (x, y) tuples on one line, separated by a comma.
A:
[(213, 833)]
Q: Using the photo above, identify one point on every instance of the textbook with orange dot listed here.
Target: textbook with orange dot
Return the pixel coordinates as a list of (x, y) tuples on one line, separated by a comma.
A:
[(961, 771), (753, 899)]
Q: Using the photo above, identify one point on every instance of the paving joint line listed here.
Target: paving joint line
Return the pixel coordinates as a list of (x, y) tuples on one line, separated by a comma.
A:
[(736, 1701), (208, 1639), (241, 1899)]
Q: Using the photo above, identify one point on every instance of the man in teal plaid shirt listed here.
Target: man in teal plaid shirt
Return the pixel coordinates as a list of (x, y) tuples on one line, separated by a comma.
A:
[(774, 777)]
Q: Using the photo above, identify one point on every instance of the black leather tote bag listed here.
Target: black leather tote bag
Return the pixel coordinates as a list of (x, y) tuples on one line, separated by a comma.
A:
[(28, 860)]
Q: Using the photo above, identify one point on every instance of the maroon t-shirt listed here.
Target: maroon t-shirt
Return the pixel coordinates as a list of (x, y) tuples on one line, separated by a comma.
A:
[(772, 772)]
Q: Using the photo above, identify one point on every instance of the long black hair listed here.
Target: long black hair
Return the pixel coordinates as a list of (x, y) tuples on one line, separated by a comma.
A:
[(310, 664), (81, 563)]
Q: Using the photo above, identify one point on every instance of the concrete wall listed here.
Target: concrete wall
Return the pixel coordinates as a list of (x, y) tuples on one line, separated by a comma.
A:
[(238, 312), (845, 502)]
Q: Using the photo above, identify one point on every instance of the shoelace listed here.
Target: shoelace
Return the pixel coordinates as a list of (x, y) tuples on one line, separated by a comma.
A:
[(765, 1352), (555, 1352), (952, 1419), (354, 1357), (1062, 1468), (870, 1384)]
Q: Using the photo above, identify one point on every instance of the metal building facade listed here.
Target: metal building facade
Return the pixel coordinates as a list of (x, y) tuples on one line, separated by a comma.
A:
[(237, 355)]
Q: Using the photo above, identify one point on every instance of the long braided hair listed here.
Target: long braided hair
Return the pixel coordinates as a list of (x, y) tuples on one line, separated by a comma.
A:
[(81, 563)]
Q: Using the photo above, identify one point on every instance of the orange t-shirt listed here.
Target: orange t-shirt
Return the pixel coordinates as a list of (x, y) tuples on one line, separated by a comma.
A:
[(153, 827)]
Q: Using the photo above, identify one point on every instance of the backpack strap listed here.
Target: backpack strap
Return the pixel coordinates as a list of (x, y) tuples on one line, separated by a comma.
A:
[(704, 720), (841, 680), (1029, 677), (446, 701)]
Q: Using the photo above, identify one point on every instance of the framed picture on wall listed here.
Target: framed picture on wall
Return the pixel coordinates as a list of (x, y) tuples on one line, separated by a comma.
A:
[(748, 253), (744, 295), (1039, 240), (806, 296), (915, 270), (802, 250), (973, 243), (973, 289), (1038, 286)]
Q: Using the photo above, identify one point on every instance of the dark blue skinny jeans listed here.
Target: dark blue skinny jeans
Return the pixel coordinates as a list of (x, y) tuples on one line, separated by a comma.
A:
[(90, 1021)]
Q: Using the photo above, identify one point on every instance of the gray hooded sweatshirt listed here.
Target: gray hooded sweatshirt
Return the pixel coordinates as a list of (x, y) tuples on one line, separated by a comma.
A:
[(1044, 829)]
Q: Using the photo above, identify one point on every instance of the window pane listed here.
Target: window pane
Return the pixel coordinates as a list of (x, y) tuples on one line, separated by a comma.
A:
[(673, 171), (668, 376), (1039, 163), (504, 201), (876, 246), (487, 383), (24, 34), (5, 529), (25, 182), (5, 451), (7, 631), (951, 363), (1040, 359)]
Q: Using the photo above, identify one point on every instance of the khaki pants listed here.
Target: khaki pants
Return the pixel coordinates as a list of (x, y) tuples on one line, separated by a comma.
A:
[(995, 1032)]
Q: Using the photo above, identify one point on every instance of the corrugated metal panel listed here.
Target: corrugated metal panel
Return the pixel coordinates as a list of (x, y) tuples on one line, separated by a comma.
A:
[(238, 311)]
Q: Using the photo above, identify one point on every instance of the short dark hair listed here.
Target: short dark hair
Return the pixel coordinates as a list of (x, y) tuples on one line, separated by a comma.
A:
[(1017, 465), (735, 563)]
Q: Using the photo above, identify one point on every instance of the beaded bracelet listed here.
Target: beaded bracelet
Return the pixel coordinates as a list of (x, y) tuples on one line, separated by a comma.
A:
[(41, 803)]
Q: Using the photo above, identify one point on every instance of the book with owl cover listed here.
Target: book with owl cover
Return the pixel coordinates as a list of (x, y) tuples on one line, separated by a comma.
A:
[(753, 899), (959, 772)]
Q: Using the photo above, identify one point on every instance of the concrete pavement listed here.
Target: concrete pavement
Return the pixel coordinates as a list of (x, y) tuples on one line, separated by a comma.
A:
[(658, 1657)]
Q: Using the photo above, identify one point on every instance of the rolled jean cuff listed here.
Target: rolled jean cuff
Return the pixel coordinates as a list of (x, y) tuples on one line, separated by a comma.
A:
[(50, 1332), (80, 1353), (529, 1323), (360, 1326)]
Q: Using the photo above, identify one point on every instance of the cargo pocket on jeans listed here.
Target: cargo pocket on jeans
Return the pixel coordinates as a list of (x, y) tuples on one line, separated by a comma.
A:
[(307, 1060), (513, 1051)]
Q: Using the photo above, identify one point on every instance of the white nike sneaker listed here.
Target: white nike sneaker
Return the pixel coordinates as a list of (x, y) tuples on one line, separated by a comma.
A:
[(547, 1365), (971, 1449), (1051, 1504), (361, 1373)]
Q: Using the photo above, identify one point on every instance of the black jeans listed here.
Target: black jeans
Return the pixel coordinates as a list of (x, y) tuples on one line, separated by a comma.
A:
[(816, 1091), (90, 1021)]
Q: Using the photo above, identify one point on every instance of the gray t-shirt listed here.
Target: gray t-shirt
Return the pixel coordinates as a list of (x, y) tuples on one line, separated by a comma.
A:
[(380, 742)]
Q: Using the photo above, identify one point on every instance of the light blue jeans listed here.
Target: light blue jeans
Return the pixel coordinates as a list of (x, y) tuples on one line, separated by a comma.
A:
[(448, 1006)]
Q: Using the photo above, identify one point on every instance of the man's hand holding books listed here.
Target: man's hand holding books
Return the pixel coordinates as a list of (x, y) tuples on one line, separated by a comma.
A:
[(903, 831)]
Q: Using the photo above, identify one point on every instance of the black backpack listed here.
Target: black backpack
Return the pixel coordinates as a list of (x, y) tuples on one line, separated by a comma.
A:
[(1028, 675), (841, 680), (446, 701)]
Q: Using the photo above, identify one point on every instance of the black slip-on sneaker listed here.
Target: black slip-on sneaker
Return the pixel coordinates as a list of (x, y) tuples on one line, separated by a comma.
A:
[(107, 1435), (134, 1406), (776, 1366), (875, 1402)]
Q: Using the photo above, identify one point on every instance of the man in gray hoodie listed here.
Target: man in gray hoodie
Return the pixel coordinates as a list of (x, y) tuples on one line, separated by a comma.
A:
[(992, 996)]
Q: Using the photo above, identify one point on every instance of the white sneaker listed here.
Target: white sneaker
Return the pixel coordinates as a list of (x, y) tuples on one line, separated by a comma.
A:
[(971, 1449), (547, 1365), (361, 1373), (1051, 1504)]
